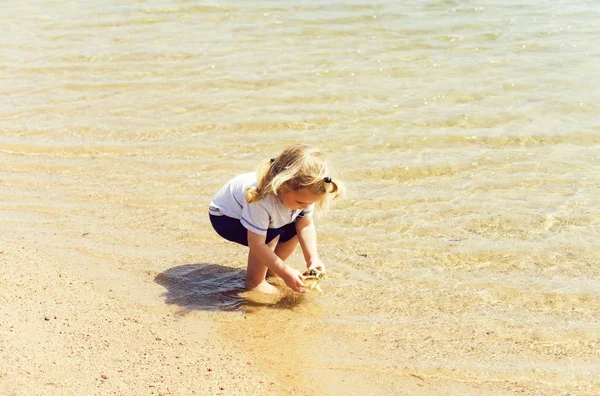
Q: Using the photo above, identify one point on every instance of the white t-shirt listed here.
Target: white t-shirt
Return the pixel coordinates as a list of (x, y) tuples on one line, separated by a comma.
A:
[(257, 216)]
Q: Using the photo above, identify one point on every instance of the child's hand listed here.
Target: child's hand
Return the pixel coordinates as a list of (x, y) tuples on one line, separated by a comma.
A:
[(294, 279), (317, 264)]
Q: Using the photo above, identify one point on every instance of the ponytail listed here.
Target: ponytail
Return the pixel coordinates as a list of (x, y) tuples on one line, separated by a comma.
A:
[(256, 193), (251, 194), (333, 188)]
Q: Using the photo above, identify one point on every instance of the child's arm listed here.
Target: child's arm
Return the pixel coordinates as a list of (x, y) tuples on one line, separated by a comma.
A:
[(292, 277), (307, 236)]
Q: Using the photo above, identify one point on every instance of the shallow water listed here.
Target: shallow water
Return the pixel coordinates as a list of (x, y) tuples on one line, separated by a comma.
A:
[(467, 134)]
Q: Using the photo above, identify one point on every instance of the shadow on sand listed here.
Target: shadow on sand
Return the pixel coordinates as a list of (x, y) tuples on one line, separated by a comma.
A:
[(213, 287)]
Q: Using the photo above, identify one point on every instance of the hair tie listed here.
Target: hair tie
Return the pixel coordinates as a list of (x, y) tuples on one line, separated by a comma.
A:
[(327, 179), (272, 160)]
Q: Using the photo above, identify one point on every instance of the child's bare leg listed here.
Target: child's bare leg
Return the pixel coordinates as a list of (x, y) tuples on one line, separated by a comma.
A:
[(257, 272), (283, 250)]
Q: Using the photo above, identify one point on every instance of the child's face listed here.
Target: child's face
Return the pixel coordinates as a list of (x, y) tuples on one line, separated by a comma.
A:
[(298, 199)]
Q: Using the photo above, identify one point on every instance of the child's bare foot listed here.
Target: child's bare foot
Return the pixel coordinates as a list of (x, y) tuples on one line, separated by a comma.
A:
[(266, 288)]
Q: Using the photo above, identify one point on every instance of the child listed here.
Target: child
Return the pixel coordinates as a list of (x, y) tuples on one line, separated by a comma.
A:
[(270, 211)]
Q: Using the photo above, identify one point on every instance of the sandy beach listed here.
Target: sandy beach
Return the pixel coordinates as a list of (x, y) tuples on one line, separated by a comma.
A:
[(63, 334), (68, 325), (67, 331)]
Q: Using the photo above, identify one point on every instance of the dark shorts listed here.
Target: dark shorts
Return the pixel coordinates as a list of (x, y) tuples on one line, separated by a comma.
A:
[(233, 230)]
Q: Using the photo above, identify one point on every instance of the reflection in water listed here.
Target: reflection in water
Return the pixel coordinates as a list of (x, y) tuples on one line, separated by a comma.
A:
[(213, 287)]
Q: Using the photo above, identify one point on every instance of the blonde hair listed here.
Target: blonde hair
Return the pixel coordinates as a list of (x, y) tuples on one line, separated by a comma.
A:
[(298, 167)]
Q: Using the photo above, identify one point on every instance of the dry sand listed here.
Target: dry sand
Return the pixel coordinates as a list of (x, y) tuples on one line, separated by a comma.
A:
[(61, 333)]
